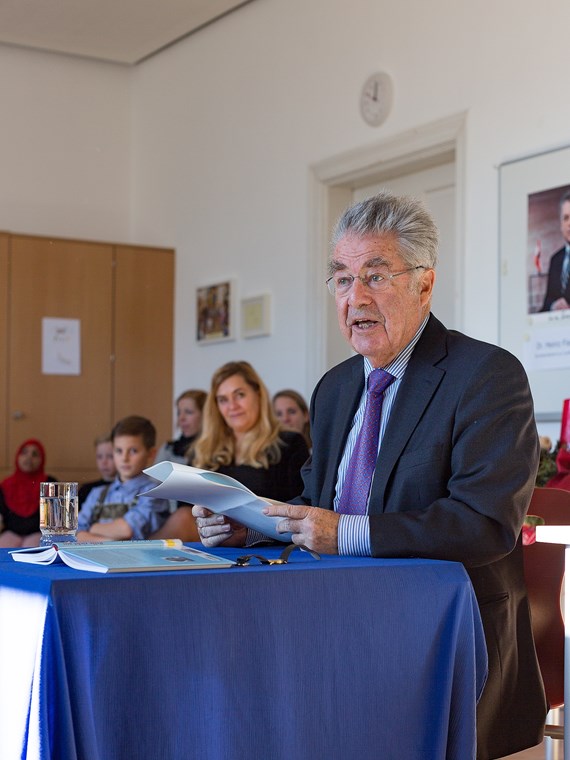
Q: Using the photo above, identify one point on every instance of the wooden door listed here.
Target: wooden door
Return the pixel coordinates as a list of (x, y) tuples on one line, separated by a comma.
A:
[(144, 298), (5, 456), (62, 279)]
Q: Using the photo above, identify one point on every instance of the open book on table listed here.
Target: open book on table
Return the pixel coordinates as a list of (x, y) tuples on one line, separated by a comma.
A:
[(123, 556), (219, 493)]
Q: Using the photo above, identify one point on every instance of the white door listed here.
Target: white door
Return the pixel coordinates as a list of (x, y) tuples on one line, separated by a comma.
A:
[(436, 188)]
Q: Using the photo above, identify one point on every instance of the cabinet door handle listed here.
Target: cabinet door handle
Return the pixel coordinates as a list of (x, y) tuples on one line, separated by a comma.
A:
[(18, 415)]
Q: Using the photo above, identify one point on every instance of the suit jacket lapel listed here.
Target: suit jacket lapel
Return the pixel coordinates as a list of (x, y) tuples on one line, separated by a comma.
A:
[(416, 390)]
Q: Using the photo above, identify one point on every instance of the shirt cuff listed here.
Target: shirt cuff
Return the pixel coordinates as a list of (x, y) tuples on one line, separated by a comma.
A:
[(354, 535)]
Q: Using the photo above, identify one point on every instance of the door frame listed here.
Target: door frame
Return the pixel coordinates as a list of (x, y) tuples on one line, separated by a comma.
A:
[(331, 183)]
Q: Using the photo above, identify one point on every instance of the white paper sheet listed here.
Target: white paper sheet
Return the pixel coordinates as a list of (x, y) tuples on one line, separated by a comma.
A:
[(219, 493)]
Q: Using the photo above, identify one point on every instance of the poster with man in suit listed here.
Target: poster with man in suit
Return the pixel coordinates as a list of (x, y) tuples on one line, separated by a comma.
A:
[(549, 278)]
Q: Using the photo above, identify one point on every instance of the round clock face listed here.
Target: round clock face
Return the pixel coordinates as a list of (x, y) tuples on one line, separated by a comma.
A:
[(376, 99)]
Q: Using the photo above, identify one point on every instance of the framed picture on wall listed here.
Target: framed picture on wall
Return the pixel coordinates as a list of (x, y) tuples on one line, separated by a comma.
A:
[(256, 316), (215, 321), (534, 315)]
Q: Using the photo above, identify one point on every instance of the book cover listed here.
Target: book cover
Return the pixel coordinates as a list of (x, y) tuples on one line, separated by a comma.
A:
[(123, 556)]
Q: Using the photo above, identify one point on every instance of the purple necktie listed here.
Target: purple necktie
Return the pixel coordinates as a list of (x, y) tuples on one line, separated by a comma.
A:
[(354, 496)]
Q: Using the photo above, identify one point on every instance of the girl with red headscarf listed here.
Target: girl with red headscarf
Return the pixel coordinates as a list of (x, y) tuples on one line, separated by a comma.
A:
[(20, 497)]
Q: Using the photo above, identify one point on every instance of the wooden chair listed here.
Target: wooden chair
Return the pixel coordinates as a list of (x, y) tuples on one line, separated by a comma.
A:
[(544, 576)]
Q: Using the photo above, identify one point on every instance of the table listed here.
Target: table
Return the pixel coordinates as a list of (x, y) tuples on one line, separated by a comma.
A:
[(338, 658), (560, 534)]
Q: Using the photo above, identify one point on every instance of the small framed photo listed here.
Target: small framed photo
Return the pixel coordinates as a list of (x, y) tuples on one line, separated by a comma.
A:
[(256, 316), (215, 312)]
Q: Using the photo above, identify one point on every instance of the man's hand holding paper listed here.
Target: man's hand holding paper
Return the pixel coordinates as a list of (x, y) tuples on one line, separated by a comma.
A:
[(310, 526)]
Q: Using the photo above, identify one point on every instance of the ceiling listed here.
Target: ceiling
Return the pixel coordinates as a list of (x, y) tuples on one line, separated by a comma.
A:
[(119, 31)]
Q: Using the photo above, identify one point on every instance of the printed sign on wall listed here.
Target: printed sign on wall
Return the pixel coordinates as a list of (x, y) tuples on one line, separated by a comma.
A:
[(61, 346)]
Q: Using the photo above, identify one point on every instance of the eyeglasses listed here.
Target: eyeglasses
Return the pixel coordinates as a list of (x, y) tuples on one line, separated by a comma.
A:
[(340, 283)]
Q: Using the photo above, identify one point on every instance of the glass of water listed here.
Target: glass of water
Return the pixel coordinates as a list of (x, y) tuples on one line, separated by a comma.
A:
[(58, 513)]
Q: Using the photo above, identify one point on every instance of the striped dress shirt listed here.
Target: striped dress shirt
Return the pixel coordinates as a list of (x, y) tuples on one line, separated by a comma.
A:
[(354, 530)]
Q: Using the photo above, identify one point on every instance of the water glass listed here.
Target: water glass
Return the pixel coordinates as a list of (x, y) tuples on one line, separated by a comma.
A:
[(58, 513)]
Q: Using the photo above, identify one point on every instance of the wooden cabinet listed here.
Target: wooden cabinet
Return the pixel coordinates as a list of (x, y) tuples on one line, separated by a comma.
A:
[(123, 298), (144, 288)]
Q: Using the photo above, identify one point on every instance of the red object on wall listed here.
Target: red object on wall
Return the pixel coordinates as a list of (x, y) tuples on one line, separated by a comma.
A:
[(565, 427)]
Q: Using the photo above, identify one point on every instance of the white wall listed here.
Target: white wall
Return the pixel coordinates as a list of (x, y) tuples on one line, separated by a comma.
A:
[(65, 130), (207, 147), (228, 122)]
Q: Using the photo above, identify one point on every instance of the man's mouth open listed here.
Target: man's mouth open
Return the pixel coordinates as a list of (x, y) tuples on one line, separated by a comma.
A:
[(363, 324)]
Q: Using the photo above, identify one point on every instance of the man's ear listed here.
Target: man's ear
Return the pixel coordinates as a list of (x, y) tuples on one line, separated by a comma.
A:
[(427, 281)]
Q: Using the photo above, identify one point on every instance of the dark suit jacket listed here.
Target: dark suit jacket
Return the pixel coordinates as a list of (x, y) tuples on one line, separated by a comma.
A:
[(453, 481), (554, 286)]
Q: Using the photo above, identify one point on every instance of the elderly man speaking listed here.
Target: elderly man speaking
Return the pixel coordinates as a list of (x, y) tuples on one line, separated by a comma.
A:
[(424, 445)]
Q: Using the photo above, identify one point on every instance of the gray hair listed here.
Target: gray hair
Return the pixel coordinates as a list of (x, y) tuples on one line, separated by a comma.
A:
[(402, 216)]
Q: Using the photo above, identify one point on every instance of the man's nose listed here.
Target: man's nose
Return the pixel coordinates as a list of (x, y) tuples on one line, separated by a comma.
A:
[(359, 292)]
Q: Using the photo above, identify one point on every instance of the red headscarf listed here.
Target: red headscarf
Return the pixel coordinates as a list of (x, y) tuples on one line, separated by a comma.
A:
[(22, 489)]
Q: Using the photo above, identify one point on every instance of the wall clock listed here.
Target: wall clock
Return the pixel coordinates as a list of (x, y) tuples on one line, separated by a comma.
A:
[(376, 98)]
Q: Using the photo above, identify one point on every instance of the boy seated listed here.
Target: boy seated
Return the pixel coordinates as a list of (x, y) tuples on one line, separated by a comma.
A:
[(116, 511)]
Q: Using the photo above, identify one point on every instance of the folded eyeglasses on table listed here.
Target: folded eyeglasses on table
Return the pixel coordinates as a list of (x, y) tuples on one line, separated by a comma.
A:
[(253, 559)]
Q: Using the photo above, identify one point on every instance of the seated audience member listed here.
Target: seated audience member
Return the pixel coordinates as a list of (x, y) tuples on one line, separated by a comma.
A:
[(105, 464), (117, 511), (242, 438), (189, 407), (292, 412), (20, 497)]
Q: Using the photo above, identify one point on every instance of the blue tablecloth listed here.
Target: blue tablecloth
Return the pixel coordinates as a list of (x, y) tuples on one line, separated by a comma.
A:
[(334, 659)]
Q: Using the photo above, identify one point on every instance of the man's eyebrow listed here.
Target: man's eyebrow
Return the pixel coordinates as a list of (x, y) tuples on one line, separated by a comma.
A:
[(375, 261)]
